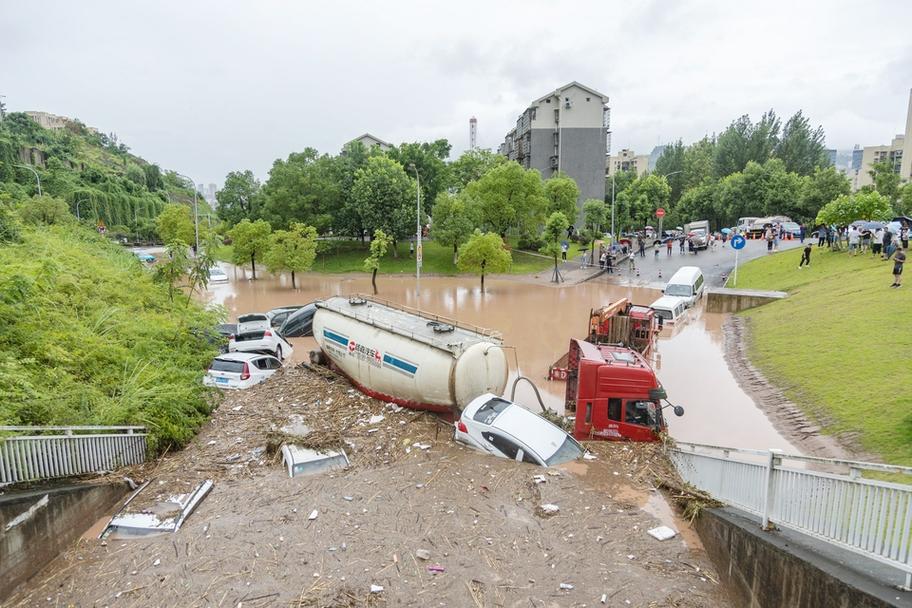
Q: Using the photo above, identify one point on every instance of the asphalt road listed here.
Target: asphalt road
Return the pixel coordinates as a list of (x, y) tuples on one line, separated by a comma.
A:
[(654, 271)]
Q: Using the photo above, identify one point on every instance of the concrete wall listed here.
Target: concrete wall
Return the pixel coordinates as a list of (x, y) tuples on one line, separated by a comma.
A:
[(722, 299), (29, 546), (765, 570)]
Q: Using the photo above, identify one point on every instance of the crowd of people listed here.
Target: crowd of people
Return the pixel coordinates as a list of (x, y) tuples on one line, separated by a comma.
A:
[(887, 242)]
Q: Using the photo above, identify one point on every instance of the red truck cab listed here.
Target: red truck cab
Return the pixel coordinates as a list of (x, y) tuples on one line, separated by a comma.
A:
[(614, 392)]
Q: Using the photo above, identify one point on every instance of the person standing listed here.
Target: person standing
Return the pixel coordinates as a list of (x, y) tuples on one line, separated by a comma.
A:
[(877, 241), (801, 232), (887, 244), (655, 250), (681, 244), (821, 236), (898, 262), (805, 256), (904, 236), (565, 246), (853, 240), (641, 246), (769, 240), (668, 245)]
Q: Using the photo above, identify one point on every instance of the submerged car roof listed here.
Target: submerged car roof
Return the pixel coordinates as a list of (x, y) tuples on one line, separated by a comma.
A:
[(685, 274), (530, 428), (667, 302)]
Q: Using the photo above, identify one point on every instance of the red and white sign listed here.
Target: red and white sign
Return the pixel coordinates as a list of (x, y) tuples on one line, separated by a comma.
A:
[(660, 212)]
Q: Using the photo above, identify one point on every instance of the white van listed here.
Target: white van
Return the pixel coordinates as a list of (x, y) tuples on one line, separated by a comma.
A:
[(669, 309), (686, 283)]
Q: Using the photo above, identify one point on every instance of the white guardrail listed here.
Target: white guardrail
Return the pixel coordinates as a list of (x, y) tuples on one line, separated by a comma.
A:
[(866, 516), (32, 453)]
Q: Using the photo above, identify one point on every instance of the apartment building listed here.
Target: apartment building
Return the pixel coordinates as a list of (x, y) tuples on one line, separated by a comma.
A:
[(627, 160), (568, 131), (898, 153)]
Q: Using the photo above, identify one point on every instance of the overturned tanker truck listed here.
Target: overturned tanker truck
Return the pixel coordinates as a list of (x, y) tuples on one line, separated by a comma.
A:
[(401, 355)]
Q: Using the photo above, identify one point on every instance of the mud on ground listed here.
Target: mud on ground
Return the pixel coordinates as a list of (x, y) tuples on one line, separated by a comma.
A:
[(433, 526)]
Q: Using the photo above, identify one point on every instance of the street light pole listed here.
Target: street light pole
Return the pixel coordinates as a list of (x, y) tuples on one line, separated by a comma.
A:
[(32, 169), (196, 228), (418, 253), (613, 235)]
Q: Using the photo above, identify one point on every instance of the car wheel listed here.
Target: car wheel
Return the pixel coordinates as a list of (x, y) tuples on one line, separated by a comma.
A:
[(278, 353)]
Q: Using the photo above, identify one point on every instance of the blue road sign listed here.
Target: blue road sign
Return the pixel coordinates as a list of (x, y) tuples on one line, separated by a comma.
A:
[(738, 242)]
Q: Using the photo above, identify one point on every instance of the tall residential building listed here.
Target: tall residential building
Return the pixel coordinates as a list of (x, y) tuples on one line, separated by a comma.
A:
[(898, 153), (654, 156), (627, 160), (565, 131), (857, 153)]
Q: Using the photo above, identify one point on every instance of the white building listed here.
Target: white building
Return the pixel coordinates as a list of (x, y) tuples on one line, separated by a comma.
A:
[(898, 153), (369, 141)]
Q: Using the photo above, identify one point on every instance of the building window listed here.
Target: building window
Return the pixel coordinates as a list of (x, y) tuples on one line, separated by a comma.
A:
[(548, 100), (587, 99)]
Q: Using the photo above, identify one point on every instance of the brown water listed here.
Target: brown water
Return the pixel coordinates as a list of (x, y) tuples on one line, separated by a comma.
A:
[(539, 320)]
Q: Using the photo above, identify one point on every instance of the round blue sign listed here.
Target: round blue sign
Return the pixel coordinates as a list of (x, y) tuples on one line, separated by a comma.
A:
[(738, 242)]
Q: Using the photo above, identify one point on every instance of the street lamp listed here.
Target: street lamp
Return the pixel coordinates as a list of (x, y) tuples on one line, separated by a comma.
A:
[(32, 169), (196, 228), (417, 233)]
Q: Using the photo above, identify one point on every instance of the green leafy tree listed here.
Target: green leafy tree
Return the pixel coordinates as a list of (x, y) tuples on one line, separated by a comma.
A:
[(555, 229), (250, 240), (698, 203), (471, 166), (509, 197), (644, 195), (385, 198), (871, 206), (904, 205), (671, 165), (801, 148), (484, 253), (823, 186), (453, 221), (886, 180), (698, 163), (306, 188), (136, 175), (429, 159), (292, 250), (378, 247), (239, 197), (200, 266), (562, 193), (10, 231), (153, 176), (174, 267), (45, 209), (744, 141), (595, 213), (175, 224)]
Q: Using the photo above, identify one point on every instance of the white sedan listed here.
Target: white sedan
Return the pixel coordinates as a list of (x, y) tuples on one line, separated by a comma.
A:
[(240, 370), (255, 335), (502, 428), (217, 275)]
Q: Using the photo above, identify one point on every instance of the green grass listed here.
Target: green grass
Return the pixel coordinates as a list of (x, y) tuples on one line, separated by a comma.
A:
[(348, 256), (840, 344)]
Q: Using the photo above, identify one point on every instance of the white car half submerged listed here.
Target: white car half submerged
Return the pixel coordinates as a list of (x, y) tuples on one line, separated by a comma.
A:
[(217, 275), (240, 370), (255, 335), (502, 428)]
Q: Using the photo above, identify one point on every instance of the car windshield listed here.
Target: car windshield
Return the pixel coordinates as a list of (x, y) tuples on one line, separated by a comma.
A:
[(488, 412), (663, 314), (569, 450), (678, 290), (252, 318), (224, 365)]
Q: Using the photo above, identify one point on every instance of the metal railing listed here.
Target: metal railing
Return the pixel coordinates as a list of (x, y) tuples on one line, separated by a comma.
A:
[(866, 516), (33, 453)]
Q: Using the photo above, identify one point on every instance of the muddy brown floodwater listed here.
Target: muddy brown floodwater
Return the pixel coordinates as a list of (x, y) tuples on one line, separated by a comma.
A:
[(539, 321)]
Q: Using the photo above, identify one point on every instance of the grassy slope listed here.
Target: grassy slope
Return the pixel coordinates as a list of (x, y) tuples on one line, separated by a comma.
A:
[(841, 344), (349, 256)]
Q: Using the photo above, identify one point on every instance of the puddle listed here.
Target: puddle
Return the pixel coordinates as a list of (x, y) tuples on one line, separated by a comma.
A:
[(539, 321)]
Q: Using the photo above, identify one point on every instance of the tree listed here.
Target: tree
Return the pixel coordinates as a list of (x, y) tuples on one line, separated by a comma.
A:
[(136, 175), (384, 197), (293, 250), (379, 244), (174, 267), (306, 189), (239, 197), (453, 221), (250, 239), (823, 186), (759, 190), (698, 203), (595, 213), (644, 195), (555, 230), (509, 197), (671, 165), (174, 224), (45, 210), (428, 159), (201, 265), (904, 205), (482, 253), (744, 141), (801, 148), (886, 180), (698, 162), (871, 206), (471, 166), (562, 193), (154, 179)]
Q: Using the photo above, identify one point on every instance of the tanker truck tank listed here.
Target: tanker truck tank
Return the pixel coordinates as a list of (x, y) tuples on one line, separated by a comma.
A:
[(415, 359)]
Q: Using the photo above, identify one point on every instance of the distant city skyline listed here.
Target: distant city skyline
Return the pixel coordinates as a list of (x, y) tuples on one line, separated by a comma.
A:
[(278, 77)]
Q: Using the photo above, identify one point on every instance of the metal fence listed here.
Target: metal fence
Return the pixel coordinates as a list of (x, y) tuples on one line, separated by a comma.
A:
[(823, 498), (32, 453)]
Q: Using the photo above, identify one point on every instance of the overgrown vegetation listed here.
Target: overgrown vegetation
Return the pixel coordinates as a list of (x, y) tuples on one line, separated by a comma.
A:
[(839, 345), (89, 338)]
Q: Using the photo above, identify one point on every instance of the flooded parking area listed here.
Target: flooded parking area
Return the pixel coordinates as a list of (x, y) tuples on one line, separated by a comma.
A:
[(538, 321)]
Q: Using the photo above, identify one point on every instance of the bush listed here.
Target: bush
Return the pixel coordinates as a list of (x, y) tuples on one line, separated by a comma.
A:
[(531, 242)]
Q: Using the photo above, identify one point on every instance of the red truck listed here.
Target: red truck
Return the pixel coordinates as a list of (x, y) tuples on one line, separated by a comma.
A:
[(615, 393)]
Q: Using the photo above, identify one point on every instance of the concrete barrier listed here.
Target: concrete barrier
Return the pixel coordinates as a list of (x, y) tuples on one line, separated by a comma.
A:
[(36, 525), (780, 569), (724, 299)]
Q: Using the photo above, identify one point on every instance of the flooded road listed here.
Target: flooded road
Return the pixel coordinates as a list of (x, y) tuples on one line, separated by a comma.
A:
[(539, 322)]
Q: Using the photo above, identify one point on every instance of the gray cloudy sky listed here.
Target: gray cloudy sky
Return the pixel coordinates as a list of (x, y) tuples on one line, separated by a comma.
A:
[(209, 87)]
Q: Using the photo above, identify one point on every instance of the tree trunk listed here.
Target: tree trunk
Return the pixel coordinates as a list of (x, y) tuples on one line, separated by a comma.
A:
[(292, 280), (374, 280), (396, 249), (483, 262), (253, 265), (455, 253)]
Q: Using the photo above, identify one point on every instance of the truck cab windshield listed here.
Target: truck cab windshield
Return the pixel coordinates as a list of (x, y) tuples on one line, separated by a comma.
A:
[(645, 413)]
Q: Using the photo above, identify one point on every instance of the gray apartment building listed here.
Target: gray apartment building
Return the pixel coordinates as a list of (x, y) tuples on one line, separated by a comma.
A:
[(568, 131)]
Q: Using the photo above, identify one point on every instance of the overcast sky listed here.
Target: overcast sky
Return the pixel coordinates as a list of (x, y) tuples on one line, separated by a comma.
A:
[(209, 87)]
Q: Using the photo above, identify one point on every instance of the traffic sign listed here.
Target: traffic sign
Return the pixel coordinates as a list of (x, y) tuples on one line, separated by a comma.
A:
[(660, 212), (738, 242)]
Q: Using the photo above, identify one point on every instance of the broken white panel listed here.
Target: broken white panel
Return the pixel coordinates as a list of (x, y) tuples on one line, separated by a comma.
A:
[(165, 516), (304, 461), (662, 533)]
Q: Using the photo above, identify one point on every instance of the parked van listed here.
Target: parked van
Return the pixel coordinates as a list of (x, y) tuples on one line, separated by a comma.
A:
[(698, 233), (686, 283), (669, 309)]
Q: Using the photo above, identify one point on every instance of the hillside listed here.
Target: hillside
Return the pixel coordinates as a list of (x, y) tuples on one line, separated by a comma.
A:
[(93, 172), (839, 345)]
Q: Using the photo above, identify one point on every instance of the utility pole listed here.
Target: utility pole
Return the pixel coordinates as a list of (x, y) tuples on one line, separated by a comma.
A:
[(418, 252)]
